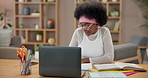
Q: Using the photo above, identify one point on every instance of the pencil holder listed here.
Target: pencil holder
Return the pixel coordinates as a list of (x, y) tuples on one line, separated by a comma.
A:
[(25, 60), (25, 68)]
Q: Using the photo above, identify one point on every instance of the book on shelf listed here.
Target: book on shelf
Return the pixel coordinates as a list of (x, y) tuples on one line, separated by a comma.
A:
[(106, 75), (118, 66), (116, 27)]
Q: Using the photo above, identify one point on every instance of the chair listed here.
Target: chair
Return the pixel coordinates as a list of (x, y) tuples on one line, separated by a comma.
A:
[(129, 52), (10, 52)]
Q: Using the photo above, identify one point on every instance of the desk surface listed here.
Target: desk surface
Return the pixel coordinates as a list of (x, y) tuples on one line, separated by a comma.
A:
[(11, 69)]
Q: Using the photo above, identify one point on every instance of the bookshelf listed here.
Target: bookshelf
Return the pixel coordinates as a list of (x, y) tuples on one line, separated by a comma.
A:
[(45, 10), (112, 20)]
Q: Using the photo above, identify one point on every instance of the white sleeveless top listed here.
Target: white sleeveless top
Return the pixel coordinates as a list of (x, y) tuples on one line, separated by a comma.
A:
[(90, 48)]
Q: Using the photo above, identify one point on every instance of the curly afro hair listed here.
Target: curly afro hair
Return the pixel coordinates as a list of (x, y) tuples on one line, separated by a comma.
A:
[(92, 10)]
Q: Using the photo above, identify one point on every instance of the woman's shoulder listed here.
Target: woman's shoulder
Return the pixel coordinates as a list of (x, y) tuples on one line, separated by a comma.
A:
[(78, 33), (104, 29), (79, 30)]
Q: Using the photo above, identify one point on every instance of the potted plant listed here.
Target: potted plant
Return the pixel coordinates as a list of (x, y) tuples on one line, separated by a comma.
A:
[(39, 36), (3, 21), (21, 26), (114, 13), (36, 54), (144, 5), (36, 49)]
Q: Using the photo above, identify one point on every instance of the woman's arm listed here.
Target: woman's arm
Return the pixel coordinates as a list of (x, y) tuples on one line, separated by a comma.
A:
[(108, 49), (74, 39)]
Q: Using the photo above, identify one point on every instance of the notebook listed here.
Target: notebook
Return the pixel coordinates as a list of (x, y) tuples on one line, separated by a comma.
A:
[(60, 61), (117, 65), (107, 75)]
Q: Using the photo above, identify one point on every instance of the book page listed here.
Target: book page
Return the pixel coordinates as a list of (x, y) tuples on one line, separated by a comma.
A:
[(106, 66), (122, 65)]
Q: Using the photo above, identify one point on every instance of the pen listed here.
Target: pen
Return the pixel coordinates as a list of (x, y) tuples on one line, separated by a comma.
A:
[(141, 70), (27, 65)]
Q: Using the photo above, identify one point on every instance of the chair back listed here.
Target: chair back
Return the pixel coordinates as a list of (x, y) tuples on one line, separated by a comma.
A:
[(140, 40)]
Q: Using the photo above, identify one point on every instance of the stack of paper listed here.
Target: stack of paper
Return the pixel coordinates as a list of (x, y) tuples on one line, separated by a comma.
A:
[(86, 66), (106, 75)]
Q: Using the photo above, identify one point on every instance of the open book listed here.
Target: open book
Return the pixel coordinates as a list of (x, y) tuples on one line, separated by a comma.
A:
[(117, 65)]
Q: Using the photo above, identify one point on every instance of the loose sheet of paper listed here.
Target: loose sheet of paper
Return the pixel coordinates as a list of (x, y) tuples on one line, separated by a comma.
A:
[(86, 66)]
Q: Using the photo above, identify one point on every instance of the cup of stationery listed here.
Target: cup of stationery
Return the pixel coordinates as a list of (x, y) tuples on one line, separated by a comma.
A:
[(25, 60)]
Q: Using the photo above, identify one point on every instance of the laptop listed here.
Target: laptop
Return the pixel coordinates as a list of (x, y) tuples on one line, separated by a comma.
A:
[(60, 61)]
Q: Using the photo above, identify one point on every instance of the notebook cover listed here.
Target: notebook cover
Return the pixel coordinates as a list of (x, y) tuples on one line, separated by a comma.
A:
[(130, 73)]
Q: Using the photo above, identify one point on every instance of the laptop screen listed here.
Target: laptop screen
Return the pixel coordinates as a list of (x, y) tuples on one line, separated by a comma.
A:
[(60, 61)]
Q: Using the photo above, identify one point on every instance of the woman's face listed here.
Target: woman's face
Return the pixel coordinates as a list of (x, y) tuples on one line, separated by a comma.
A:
[(89, 28)]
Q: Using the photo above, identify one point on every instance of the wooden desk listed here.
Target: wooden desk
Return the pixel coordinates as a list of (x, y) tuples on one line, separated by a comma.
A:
[(11, 69)]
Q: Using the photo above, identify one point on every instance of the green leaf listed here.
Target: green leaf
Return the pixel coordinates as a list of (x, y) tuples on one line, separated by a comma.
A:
[(40, 32), (145, 2), (1, 18), (1, 14), (9, 24), (144, 6), (36, 48), (146, 17), (5, 27)]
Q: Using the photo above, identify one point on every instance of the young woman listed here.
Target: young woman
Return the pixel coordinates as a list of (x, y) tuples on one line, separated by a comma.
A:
[(94, 40)]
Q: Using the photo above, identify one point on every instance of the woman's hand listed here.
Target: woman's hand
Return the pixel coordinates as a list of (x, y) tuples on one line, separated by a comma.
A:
[(85, 60)]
